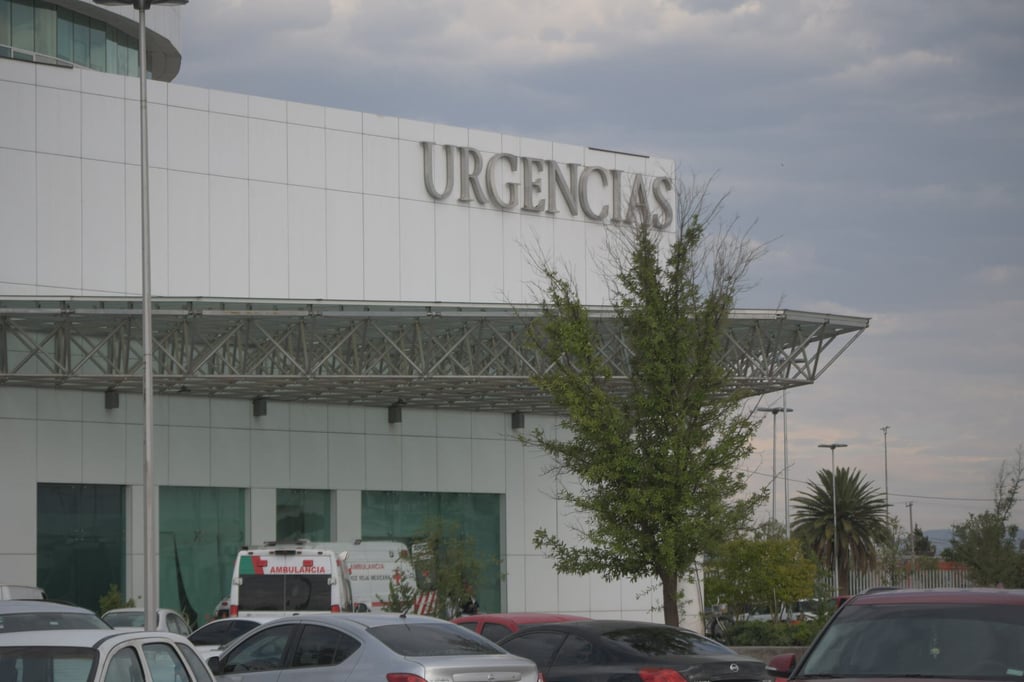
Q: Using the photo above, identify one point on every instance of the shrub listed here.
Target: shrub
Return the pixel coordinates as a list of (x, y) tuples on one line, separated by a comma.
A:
[(762, 633)]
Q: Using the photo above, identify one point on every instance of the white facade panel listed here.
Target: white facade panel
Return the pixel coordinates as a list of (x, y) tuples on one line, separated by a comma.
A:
[(188, 233), (18, 112), (102, 119), (229, 145), (270, 466), (159, 231), (229, 456), (306, 155), (416, 251), (19, 257), (189, 460), (188, 140), (346, 461), (454, 464), (307, 241), (103, 228), (59, 122), (268, 150), (384, 461), (308, 460), (381, 271), (343, 160), (18, 487), (486, 266), (345, 246), (488, 465), (452, 256), (380, 165), (419, 463), (59, 223), (268, 240), (229, 236)]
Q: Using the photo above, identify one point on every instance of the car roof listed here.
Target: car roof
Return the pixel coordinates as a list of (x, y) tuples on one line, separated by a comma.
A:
[(38, 606), (602, 626), (251, 619), (972, 595), (79, 638), (369, 620), (519, 618)]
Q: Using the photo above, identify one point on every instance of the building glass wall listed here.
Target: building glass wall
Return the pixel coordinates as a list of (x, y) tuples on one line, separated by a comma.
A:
[(201, 531), (303, 514), (401, 516), (80, 541), (35, 30)]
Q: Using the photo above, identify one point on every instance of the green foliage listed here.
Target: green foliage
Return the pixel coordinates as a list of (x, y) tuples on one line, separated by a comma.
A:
[(767, 573), (987, 543), (113, 599), (763, 633), (860, 514), (920, 545), (657, 468)]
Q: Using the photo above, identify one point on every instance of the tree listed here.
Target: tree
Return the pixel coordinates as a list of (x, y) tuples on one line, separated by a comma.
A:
[(763, 570), (920, 544), (860, 515), (655, 470), (987, 543)]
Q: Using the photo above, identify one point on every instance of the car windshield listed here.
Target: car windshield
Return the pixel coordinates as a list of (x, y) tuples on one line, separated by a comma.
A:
[(126, 619), (46, 664), (967, 641), (432, 639), (20, 622), (281, 592), (667, 641)]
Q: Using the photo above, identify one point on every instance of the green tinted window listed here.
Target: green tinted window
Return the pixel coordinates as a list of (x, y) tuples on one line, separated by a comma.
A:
[(304, 514), (393, 515), (5, 22), (23, 35), (201, 531), (80, 541), (46, 29)]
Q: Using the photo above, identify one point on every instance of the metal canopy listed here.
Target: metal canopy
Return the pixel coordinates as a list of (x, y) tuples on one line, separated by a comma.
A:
[(438, 355)]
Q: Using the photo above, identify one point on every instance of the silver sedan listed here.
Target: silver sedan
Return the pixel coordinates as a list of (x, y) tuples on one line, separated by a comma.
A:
[(371, 646)]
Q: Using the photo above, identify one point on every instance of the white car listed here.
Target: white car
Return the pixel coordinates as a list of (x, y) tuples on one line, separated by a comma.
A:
[(167, 620), (99, 656), (20, 615)]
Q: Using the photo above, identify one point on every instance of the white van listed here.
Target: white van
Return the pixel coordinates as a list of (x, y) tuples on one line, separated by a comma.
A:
[(289, 579), (372, 568)]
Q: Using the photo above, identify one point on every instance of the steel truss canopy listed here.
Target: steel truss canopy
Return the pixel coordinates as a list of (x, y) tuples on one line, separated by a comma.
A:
[(463, 357)]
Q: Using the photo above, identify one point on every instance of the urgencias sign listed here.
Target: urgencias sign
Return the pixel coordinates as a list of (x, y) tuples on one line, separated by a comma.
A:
[(536, 185)]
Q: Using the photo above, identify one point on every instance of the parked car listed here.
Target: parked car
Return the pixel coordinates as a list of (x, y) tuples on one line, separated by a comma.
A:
[(18, 615), (364, 646), (211, 638), (167, 620), (99, 655), (496, 626), (925, 634), (607, 650), (21, 592)]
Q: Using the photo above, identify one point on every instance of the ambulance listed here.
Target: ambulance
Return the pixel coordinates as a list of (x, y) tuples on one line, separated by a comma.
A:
[(373, 566), (289, 579)]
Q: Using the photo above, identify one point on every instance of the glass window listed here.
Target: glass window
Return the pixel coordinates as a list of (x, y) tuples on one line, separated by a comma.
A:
[(165, 665), (23, 34), (576, 651), (199, 669), (283, 592), (65, 34), (395, 515), (67, 664), (322, 646), (432, 639), (660, 640), (80, 37), (539, 647), (495, 631), (49, 620), (304, 514), (214, 633), (133, 56), (201, 531), (111, 43), (46, 29), (80, 541), (124, 666), (262, 651), (5, 22), (97, 45)]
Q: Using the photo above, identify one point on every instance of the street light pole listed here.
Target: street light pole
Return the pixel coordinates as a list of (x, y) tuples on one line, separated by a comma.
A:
[(775, 413), (785, 460), (149, 597), (835, 516), (885, 451)]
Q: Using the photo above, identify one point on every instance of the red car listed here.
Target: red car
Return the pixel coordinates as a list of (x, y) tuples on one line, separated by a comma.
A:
[(949, 634), (495, 626)]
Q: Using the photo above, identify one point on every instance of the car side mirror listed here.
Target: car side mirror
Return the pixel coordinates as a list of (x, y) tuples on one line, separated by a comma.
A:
[(781, 665), (216, 667)]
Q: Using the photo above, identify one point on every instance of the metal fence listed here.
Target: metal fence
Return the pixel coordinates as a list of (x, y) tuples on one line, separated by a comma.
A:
[(931, 578)]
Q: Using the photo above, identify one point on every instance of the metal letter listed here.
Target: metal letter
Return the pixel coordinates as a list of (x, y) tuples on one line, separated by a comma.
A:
[(585, 192), (513, 187), (470, 166), (639, 211), (428, 170), (659, 187), (531, 185), (617, 197), (568, 190)]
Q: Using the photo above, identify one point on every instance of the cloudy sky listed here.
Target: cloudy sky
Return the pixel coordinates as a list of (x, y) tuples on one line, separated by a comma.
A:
[(875, 146)]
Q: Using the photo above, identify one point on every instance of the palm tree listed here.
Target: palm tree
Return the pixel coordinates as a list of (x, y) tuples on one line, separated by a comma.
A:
[(861, 516)]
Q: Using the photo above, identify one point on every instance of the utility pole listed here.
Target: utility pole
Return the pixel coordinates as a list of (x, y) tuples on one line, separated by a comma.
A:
[(885, 446), (913, 550)]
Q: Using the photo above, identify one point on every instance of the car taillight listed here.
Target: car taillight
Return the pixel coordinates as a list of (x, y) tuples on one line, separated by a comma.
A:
[(233, 610), (335, 608), (404, 677), (660, 675)]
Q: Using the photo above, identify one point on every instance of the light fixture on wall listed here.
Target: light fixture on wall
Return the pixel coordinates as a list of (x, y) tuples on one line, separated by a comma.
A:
[(395, 412), (518, 420), (111, 399), (259, 406)]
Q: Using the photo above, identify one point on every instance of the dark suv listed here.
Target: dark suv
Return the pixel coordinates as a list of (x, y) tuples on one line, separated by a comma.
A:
[(958, 634)]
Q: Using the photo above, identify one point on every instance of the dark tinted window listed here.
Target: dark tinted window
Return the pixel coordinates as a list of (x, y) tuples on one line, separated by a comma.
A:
[(75, 664), (322, 646), (199, 669), (217, 632), (666, 641), (539, 647), (20, 622), (576, 651), (495, 631), (265, 650), (432, 639), (126, 619), (284, 593)]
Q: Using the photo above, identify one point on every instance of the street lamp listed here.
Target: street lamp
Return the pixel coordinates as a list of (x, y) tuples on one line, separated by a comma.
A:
[(775, 413), (835, 515), (149, 597), (885, 454)]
